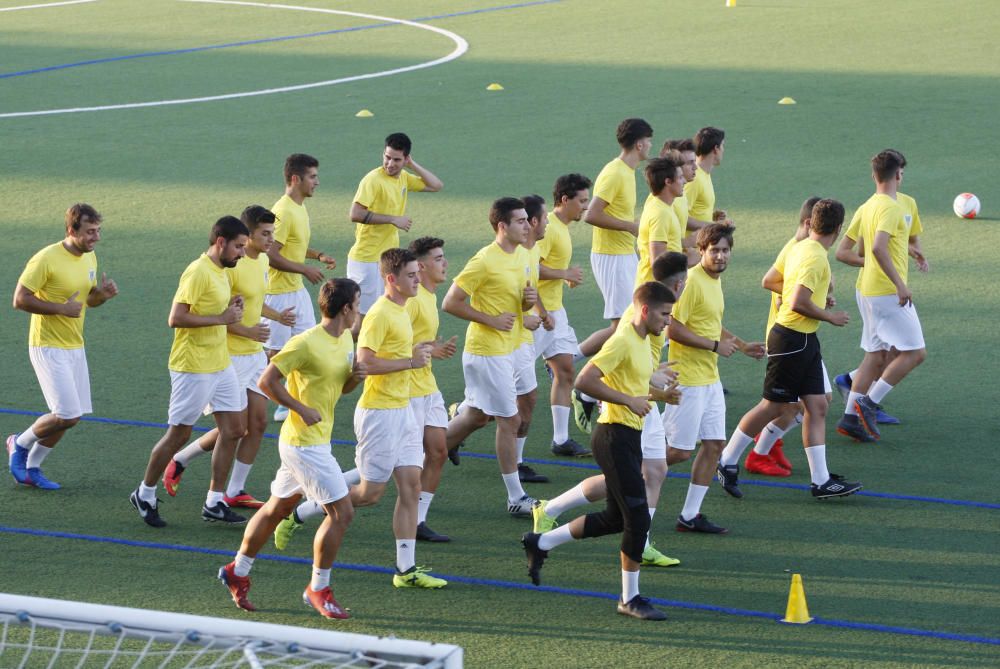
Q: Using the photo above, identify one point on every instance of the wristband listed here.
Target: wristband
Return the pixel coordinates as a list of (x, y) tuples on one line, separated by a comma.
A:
[(715, 347)]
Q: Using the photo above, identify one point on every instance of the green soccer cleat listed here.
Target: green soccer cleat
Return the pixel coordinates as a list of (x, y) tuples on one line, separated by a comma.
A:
[(417, 577), (284, 531), (541, 521), (582, 412), (654, 558)]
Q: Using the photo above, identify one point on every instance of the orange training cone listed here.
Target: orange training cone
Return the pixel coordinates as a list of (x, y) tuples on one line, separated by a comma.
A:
[(797, 612)]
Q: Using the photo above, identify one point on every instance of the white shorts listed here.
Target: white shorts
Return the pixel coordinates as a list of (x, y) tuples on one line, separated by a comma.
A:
[(524, 369), (654, 439), (429, 411), (560, 340), (248, 370), (366, 275), (64, 379), (701, 415), (885, 324), (305, 317), (489, 383), (311, 471), (615, 275), (192, 395), (387, 439)]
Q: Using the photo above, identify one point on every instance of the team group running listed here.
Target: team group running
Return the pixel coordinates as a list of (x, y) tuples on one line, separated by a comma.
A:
[(245, 332)]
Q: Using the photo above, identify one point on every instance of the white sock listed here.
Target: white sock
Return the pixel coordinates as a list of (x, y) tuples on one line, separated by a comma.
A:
[(851, 398), (406, 557), (238, 479), (147, 493), (320, 579), (242, 565), (817, 464), (189, 453), (556, 537), (652, 512), (560, 424), (587, 398), (734, 449), (520, 449), (26, 439), (213, 498), (630, 585), (768, 436), (692, 504), (37, 455), (423, 504), (879, 390), (570, 499), (308, 509), (352, 477), (514, 489)]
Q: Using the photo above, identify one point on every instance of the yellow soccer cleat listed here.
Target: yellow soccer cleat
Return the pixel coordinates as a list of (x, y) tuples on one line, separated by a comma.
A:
[(541, 521), (654, 558), (417, 577)]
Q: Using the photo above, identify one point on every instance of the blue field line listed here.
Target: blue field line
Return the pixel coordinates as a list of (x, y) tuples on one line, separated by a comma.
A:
[(556, 463), (265, 40), (511, 585)]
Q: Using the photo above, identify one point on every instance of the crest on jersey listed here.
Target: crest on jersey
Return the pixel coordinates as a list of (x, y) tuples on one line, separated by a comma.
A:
[(909, 220), (92, 274), (350, 358)]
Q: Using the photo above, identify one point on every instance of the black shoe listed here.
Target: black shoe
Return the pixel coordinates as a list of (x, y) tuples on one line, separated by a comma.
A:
[(528, 475), (850, 426), (221, 513), (571, 449), (729, 477), (699, 523), (868, 415), (835, 487), (639, 607), (147, 511), (453, 455), (425, 533), (536, 556)]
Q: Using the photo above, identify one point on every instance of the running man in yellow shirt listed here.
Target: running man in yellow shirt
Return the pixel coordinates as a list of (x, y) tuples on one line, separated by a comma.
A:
[(56, 287), (379, 212), (202, 376), (691, 227), (709, 147), (319, 365), (659, 228)]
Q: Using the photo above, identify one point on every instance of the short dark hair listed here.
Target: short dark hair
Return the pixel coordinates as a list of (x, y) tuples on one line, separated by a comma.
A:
[(660, 169), (501, 210), (297, 164), (886, 163), (423, 245), (706, 139), (631, 130), (653, 293), (805, 212), (229, 228), (686, 144), (78, 212), (713, 234), (254, 215), (392, 261), (827, 216), (568, 185), (336, 294), (668, 264), (533, 205), (399, 141)]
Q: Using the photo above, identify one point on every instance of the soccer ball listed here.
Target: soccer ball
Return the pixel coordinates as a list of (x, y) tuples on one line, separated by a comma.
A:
[(966, 205)]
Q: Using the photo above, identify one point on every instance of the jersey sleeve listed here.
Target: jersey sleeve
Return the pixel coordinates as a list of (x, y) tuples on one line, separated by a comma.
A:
[(472, 275), (282, 225), (811, 274), (414, 184), (373, 332), (611, 355), (292, 356), (190, 287), (35, 273), (889, 219), (915, 227), (685, 305), (659, 227), (367, 192), (854, 229), (608, 186)]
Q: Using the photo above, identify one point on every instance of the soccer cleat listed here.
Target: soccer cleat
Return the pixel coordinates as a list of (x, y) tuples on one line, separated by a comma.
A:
[(34, 477), (835, 487), (417, 577), (284, 531), (323, 601), (764, 465), (172, 477), (843, 383), (453, 454), (536, 556), (699, 523), (571, 449), (729, 477), (280, 414), (17, 460), (425, 533), (528, 475), (582, 411), (540, 521), (243, 500), (239, 586), (867, 415), (850, 426), (148, 512), (639, 607), (521, 508), (221, 513), (882, 418), (778, 455), (654, 558)]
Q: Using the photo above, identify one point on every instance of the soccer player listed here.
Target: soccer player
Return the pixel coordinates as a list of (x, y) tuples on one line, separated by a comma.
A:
[(202, 376), (659, 228), (379, 210), (50, 289), (246, 350), (697, 339), (886, 229), (686, 148), (795, 370), (492, 292), (288, 254), (320, 366), (558, 346), (621, 376), (709, 147)]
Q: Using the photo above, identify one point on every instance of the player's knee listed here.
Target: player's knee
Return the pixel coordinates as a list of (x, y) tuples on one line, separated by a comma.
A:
[(562, 368), (677, 455), (435, 454), (654, 470), (256, 424), (918, 356), (67, 423)]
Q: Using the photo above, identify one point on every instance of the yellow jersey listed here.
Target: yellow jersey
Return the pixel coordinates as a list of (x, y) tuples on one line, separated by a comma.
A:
[(779, 264), (626, 366), (806, 265), (534, 257), (700, 195), (249, 280), (657, 222), (556, 251), (881, 213), (681, 211), (204, 287), (388, 332), (699, 308), (54, 274), (656, 342), (495, 281), (292, 231), (381, 194), (616, 186), (424, 319)]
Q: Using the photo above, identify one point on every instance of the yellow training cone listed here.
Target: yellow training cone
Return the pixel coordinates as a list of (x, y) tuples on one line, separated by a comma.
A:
[(364, 113), (730, 3), (786, 101), (798, 611), (494, 87)]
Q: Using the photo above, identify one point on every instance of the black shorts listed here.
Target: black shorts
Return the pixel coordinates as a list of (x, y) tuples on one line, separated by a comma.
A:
[(794, 365)]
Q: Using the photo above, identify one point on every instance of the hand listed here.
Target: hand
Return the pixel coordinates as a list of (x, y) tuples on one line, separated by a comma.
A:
[(359, 371), (313, 274), (234, 312), (839, 318), (574, 276), (663, 376), (905, 296), (287, 317), (72, 308), (548, 322), (634, 229), (726, 347), (445, 349), (260, 332), (329, 261), (638, 405), (503, 322), (421, 354), (667, 393), (529, 296), (107, 287), (531, 321), (831, 302), (310, 416), (754, 349), (922, 264), (402, 222)]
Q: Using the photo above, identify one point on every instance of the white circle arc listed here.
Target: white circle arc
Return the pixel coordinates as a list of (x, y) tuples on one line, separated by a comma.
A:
[(461, 46)]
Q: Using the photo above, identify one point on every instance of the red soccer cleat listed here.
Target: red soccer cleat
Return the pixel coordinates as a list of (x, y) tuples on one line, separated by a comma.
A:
[(778, 455), (239, 586), (763, 464), (244, 500), (172, 477), (323, 601)]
